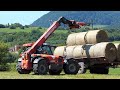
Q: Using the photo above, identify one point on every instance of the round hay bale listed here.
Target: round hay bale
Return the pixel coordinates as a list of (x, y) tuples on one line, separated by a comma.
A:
[(105, 49), (90, 37), (81, 38), (118, 51), (82, 51), (71, 39), (96, 36), (69, 51), (59, 51)]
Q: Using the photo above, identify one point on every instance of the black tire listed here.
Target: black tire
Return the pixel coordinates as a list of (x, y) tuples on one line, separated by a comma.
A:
[(82, 68), (99, 70), (55, 72), (40, 68), (71, 67), (20, 70)]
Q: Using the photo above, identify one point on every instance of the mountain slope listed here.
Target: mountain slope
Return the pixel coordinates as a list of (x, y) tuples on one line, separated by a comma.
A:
[(99, 17)]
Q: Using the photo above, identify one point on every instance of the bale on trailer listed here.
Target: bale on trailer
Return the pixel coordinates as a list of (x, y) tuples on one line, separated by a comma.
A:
[(82, 51), (90, 37), (59, 51), (69, 51), (118, 51), (96, 36), (100, 50), (105, 49), (71, 40)]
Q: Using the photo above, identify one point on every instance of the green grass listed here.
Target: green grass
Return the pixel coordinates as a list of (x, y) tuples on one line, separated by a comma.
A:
[(99, 26), (17, 30), (113, 74), (116, 41), (27, 30)]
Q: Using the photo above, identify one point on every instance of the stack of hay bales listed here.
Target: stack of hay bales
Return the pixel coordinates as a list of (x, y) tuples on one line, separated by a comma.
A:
[(91, 44)]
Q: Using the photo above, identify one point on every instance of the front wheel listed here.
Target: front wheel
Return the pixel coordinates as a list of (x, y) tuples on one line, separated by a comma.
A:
[(71, 67), (20, 70), (40, 68)]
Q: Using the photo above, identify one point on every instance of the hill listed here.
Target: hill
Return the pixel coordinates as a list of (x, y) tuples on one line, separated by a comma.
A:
[(111, 18)]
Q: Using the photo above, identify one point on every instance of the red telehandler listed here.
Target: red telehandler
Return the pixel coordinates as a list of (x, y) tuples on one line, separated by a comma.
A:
[(39, 57)]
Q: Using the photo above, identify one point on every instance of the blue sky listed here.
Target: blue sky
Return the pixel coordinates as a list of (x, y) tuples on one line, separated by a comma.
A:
[(23, 17)]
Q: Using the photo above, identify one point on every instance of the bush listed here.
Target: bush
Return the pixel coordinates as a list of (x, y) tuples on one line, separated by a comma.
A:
[(12, 27), (4, 67), (26, 26), (39, 27), (2, 26), (17, 25), (22, 27), (3, 57), (12, 57), (12, 66)]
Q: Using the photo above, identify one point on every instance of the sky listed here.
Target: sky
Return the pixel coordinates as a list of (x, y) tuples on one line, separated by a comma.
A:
[(22, 17)]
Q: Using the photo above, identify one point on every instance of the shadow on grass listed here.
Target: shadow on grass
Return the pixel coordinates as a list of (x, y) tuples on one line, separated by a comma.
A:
[(51, 75)]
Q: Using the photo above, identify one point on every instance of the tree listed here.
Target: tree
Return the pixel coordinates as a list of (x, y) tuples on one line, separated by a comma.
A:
[(3, 52), (12, 27), (22, 27), (26, 26), (18, 25), (3, 57), (2, 26)]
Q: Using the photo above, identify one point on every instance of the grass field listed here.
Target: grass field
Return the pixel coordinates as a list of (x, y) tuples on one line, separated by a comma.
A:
[(28, 30), (13, 74), (113, 74)]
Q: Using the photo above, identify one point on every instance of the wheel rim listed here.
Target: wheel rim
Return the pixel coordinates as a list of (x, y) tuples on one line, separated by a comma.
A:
[(81, 67), (72, 67)]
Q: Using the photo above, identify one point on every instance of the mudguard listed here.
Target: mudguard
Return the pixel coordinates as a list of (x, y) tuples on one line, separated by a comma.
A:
[(37, 60)]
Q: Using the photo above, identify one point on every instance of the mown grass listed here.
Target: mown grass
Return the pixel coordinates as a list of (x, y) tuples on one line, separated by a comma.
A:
[(13, 74)]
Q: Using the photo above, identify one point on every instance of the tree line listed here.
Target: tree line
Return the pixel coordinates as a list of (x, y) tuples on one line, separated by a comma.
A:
[(14, 26)]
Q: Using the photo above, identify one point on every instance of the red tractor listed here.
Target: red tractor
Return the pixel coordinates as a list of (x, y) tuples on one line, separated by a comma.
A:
[(39, 58)]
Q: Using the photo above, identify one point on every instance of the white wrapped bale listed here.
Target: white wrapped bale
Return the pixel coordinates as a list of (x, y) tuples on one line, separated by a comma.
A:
[(59, 51), (82, 51), (118, 51), (69, 51), (105, 49), (90, 37)]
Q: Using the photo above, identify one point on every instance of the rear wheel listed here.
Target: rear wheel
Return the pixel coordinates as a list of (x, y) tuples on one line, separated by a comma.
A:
[(20, 70), (71, 67), (55, 72), (99, 70), (40, 68)]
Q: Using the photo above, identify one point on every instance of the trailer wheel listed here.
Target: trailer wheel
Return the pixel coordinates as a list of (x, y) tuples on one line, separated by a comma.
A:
[(71, 67), (55, 72), (20, 70), (82, 68), (40, 68)]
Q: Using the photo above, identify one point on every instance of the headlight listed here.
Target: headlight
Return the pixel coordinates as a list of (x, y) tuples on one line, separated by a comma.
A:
[(22, 56), (20, 59)]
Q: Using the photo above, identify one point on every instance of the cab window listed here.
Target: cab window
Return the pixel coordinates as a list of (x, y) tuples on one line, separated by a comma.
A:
[(47, 48)]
